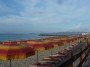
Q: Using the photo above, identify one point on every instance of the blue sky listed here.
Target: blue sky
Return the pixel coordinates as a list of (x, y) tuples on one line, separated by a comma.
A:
[(27, 16)]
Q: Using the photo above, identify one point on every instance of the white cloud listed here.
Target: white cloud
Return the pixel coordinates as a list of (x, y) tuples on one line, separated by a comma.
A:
[(79, 28), (51, 12)]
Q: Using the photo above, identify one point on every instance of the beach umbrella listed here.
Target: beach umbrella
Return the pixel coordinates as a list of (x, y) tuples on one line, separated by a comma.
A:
[(10, 50), (40, 46), (56, 43), (64, 41), (69, 40), (9, 42), (32, 42), (21, 41), (0, 42)]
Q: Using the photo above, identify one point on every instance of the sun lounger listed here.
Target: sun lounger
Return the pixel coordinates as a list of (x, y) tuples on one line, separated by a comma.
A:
[(41, 65), (55, 56), (52, 59), (52, 62)]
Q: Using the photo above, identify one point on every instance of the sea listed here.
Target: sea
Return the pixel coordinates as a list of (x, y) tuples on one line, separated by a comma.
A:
[(4, 37), (10, 36)]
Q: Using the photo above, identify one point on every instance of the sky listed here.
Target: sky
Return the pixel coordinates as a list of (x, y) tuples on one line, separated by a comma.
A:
[(44, 16)]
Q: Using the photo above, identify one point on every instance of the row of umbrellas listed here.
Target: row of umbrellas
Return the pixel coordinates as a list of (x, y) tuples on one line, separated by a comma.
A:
[(21, 49)]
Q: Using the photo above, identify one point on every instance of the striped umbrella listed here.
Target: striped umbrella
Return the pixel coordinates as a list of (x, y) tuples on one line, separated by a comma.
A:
[(10, 50), (40, 46), (21, 41), (56, 44), (0, 42)]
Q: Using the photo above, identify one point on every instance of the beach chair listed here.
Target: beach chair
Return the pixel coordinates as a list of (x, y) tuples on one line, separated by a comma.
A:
[(51, 62), (63, 52), (52, 59), (41, 65), (66, 53), (57, 56)]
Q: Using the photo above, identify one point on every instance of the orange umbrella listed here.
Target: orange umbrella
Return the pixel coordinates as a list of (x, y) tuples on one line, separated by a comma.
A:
[(56, 43), (10, 50), (0, 42), (40, 46), (21, 41), (64, 40)]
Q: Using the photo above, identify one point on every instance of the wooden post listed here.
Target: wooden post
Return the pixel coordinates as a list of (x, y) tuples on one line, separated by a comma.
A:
[(71, 65), (81, 57), (37, 56), (10, 62)]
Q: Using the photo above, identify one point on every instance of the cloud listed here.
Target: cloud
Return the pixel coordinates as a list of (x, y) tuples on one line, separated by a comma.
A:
[(3, 7), (52, 13), (41, 10), (79, 28)]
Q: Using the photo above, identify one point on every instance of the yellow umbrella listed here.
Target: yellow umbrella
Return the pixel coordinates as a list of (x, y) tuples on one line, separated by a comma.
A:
[(40, 46), (56, 44), (10, 50)]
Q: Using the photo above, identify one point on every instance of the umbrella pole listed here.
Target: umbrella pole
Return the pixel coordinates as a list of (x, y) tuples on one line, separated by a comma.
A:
[(10, 62), (69, 44), (59, 48), (51, 51), (37, 56), (64, 45)]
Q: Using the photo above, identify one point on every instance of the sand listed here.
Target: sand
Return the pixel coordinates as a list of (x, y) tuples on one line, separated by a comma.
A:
[(30, 60)]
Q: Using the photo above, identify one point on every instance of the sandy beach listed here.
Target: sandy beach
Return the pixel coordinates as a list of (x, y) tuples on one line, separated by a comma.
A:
[(33, 59), (29, 61)]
